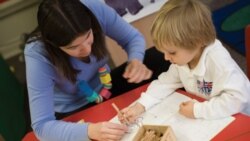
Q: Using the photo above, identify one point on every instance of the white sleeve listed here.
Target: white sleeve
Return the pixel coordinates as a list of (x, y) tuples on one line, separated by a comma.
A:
[(233, 96), (159, 89)]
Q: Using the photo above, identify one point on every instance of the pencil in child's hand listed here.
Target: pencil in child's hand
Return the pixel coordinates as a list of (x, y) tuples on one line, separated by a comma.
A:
[(120, 113)]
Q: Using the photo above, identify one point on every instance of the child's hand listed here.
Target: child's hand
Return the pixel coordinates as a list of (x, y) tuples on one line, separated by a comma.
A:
[(131, 113), (187, 108)]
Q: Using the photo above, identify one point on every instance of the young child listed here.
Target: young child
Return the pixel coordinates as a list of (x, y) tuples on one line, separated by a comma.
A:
[(184, 32)]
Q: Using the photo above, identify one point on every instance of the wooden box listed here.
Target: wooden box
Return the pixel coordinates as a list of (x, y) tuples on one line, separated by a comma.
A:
[(155, 133)]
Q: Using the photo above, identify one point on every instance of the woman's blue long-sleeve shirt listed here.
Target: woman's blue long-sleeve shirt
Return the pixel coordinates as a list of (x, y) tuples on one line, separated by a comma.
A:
[(49, 92)]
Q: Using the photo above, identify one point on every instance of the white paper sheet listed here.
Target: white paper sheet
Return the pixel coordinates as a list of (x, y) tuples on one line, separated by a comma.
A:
[(185, 129)]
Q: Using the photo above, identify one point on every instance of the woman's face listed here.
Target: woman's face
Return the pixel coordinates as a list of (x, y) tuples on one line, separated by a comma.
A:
[(81, 46)]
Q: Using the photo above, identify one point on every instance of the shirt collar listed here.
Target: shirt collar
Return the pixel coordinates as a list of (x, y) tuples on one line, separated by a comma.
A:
[(200, 68)]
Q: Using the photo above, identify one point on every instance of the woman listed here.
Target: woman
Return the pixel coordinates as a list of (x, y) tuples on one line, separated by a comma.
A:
[(63, 56)]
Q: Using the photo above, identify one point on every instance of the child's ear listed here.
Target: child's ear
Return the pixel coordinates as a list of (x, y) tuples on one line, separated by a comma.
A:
[(201, 45)]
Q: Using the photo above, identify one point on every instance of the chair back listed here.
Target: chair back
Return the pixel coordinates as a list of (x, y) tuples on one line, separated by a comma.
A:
[(12, 115)]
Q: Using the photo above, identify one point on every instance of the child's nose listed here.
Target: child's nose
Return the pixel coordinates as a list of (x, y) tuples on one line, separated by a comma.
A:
[(166, 56)]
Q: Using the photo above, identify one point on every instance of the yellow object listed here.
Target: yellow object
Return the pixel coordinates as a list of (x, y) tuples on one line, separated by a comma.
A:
[(105, 78)]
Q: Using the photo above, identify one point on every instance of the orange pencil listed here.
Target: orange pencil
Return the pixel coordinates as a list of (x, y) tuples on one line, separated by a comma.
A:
[(120, 113)]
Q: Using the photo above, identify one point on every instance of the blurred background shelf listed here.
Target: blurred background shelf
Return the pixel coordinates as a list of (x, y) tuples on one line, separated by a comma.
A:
[(11, 6), (148, 9)]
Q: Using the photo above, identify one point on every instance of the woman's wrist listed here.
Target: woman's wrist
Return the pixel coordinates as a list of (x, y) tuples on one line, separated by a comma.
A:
[(91, 130)]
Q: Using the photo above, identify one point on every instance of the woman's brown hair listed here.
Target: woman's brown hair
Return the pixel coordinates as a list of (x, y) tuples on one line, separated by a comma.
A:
[(59, 23)]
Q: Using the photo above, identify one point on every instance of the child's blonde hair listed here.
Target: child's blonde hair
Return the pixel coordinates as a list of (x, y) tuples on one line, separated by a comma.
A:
[(183, 23)]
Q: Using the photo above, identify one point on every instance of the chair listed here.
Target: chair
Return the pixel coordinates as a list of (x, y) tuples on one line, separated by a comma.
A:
[(12, 105), (247, 46)]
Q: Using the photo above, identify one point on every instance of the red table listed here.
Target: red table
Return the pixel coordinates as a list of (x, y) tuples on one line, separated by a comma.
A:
[(238, 130)]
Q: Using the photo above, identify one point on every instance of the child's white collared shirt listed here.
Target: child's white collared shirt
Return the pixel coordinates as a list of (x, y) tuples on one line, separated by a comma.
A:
[(216, 78)]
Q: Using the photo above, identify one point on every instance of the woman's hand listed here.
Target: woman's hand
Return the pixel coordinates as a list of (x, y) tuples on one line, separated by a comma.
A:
[(187, 108), (131, 113), (106, 131), (136, 72)]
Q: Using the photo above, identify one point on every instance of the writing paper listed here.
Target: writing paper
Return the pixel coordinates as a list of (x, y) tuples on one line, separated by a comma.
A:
[(185, 129)]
